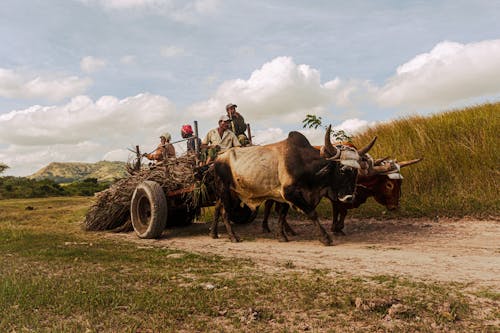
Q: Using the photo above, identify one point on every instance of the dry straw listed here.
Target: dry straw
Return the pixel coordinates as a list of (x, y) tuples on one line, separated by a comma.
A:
[(111, 210)]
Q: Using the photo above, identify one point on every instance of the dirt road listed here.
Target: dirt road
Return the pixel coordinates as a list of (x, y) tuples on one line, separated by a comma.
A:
[(464, 250)]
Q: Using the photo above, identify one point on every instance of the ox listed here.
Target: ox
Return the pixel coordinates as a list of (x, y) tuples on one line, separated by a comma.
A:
[(383, 182), (291, 172)]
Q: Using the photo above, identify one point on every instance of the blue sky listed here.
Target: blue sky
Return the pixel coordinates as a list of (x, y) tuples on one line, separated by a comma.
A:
[(82, 80)]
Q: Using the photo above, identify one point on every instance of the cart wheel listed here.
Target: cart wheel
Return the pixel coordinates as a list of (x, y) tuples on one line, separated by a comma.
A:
[(243, 215), (180, 217), (148, 210)]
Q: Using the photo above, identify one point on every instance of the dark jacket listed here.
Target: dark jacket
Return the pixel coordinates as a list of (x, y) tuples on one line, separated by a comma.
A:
[(238, 124)]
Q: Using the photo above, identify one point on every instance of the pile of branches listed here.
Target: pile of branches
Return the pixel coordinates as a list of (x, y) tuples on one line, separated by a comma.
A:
[(111, 211)]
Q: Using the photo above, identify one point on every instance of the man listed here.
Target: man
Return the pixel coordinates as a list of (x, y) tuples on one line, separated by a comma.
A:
[(164, 150), (219, 139), (238, 124), (187, 133)]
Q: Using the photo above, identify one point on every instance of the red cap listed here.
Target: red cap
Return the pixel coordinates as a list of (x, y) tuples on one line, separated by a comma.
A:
[(187, 129)]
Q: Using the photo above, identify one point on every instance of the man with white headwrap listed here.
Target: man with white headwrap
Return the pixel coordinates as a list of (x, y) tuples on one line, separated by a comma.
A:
[(164, 150)]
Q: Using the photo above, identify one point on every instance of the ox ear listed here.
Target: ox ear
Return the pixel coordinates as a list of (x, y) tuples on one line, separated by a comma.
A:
[(330, 150), (365, 149), (406, 163)]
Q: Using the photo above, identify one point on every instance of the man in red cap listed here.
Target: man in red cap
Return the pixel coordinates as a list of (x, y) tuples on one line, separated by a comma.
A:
[(187, 133)]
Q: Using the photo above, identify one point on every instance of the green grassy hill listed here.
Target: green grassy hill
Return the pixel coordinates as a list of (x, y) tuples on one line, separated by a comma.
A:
[(72, 171), (460, 173)]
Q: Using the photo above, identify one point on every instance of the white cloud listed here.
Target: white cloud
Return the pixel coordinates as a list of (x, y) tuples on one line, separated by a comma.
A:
[(51, 87), (283, 92), (171, 51), (116, 155), (91, 64), (274, 99), (178, 10), (84, 130), (354, 126), (449, 73), (270, 135), (280, 89), (127, 59)]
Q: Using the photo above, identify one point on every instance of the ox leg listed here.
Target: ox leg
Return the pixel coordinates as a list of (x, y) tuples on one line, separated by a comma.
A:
[(280, 234), (294, 195), (288, 230), (215, 222), (267, 211), (234, 238), (287, 227), (323, 235), (339, 226), (339, 214)]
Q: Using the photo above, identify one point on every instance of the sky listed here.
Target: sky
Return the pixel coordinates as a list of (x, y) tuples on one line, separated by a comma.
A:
[(83, 80)]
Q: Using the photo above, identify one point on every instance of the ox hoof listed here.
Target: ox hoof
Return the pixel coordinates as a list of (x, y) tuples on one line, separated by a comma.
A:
[(291, 232), (326, 241), (214, 236), (235, 240), (282, 239), (339, 233)]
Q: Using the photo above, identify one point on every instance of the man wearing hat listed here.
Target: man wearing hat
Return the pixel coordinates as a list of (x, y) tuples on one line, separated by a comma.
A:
[(220, 139), (238, 124), (165, 149)]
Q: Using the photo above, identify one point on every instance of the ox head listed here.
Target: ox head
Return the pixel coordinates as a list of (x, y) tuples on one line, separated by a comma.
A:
[(387, 187), (348, 163)]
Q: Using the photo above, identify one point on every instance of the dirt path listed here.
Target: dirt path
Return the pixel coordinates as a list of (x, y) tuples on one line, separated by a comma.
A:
[(463, 250)]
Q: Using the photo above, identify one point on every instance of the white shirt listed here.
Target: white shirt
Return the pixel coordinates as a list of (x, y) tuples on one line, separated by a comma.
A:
[(228, 139)]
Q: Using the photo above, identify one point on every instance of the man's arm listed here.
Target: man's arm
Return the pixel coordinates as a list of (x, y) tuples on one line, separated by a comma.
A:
[(206, 140), (235, 141), (241, 125)]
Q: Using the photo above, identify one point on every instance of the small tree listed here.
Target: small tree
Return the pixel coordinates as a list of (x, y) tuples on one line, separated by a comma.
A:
[(3, 167), (313, 121)]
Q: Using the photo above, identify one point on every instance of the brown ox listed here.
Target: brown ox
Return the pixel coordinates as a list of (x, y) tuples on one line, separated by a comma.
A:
[(291, 172), (383, 182)]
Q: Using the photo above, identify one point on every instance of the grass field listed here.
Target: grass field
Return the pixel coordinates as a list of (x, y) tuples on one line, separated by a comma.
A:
[(55, 277), (460, 172)]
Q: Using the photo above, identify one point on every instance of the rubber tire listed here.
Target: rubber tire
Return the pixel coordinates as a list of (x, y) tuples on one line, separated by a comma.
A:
[(148, 210), (243, 215)]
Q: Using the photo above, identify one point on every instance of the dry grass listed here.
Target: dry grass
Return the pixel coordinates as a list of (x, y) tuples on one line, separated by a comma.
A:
[(111, 209), (460, 172)]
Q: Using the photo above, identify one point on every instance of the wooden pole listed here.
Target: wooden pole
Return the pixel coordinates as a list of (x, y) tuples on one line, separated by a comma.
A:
[(137, 166), (196, 143), (249, 131)]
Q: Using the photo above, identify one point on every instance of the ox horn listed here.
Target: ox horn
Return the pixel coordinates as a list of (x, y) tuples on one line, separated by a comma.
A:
[(330, 149), (365, 149), (406, 163), (380, 160)]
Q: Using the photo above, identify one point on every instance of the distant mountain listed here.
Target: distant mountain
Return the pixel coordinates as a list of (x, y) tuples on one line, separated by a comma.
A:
[(74, 171)]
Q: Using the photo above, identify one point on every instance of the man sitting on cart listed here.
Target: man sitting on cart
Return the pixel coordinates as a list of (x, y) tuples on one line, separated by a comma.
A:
[(238, 125), (164, 150), (219, 139)]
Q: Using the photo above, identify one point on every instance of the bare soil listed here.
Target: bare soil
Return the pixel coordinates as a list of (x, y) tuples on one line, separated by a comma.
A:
[(461, 250)]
